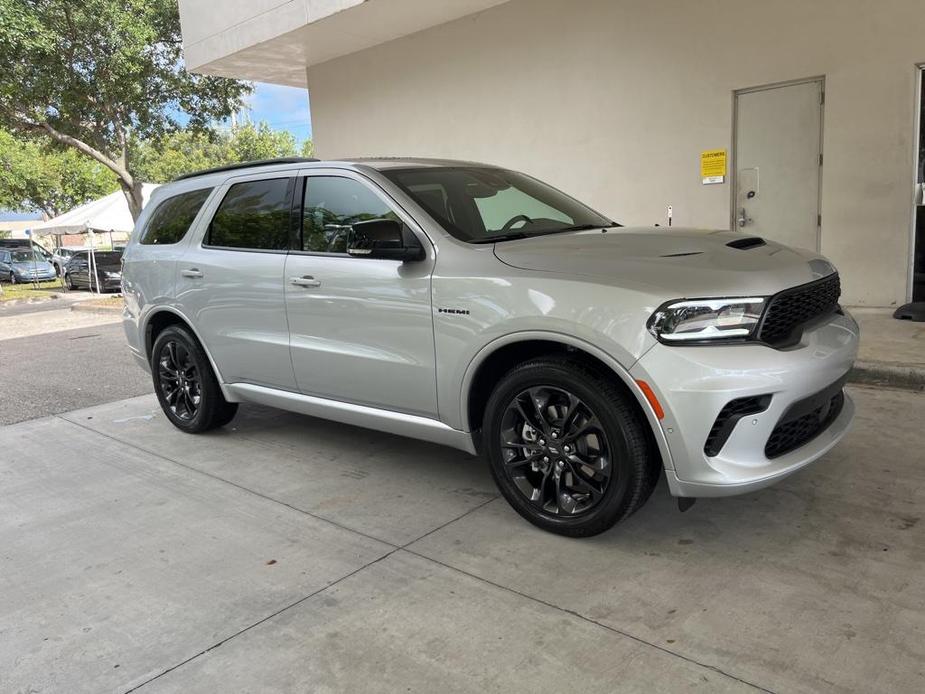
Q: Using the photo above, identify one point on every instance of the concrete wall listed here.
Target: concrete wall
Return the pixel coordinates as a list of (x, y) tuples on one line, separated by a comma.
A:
[(613, 101)]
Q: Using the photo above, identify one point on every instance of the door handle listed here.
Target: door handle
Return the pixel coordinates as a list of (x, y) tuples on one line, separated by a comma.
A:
[(743, 218), (193, 273), (305, 281)]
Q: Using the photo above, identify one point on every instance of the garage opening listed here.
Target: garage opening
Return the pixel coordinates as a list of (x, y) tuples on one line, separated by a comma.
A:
[(918, 240)]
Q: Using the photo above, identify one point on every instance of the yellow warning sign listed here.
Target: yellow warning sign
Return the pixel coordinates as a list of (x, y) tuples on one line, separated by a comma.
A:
[(713, 166)]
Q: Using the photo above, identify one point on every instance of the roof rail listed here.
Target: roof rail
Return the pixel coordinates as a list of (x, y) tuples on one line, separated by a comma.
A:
[(246, 165)]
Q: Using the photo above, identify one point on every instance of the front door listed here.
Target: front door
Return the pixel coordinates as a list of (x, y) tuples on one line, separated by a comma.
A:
[(778, 163), (361, 329)]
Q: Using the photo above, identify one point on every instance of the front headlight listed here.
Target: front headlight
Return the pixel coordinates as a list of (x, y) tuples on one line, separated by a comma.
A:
[(694, 320)]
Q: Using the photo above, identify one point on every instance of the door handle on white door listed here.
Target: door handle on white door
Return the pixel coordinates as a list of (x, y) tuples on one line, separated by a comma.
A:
[(743, 218), (305, 281), (193, 273)]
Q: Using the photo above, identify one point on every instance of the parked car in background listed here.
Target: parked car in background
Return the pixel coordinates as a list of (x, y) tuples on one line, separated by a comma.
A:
[(25, 243), (480, 308), (108, 275), (60, 257), (24, 265)]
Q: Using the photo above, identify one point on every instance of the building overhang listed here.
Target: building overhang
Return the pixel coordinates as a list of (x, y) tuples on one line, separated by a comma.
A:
[(276, 40)]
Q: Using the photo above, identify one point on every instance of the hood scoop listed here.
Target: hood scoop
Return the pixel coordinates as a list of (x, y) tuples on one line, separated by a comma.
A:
[(747, 242)]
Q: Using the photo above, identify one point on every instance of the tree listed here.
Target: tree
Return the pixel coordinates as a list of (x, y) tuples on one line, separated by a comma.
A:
[(98, 74), (308, 149), (35, 176), (250, 143), (184, 151)]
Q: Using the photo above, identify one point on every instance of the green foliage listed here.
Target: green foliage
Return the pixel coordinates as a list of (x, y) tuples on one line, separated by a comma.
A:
[(185, 151), (98, 74), (308, 149), (93, 67), (250, 143), (36, 176)]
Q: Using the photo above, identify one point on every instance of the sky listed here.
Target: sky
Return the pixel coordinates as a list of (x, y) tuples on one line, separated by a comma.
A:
[(283, 108)]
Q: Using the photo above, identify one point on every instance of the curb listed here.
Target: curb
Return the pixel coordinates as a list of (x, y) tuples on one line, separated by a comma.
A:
[(20, 302), (902, 376), (87, 307)]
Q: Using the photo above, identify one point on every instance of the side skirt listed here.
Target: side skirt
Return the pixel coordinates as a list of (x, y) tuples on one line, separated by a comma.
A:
[(398, 423)]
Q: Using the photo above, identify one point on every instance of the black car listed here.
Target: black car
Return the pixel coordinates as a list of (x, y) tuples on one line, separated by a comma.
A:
[(108, 276)]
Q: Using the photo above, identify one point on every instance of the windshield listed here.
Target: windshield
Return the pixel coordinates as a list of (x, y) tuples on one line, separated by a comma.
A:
[(480, 204), (27, 257)]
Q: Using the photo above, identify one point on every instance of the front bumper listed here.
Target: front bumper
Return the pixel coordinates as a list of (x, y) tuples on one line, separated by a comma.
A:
[(41, 276), (693, 384)]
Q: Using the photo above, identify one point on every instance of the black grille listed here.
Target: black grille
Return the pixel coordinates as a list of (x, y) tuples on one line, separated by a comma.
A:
[(729, 416), (805, 420), (791, 309)]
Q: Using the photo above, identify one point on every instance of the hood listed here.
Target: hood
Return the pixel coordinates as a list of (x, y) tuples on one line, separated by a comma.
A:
[(109, 267), (675, 262)]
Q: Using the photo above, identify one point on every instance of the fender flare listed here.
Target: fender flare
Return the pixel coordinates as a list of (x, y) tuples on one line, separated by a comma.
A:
[(615, 366), (189, 324)]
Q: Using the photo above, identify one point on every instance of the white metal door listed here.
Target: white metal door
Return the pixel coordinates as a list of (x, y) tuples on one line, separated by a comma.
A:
[(778, 166)]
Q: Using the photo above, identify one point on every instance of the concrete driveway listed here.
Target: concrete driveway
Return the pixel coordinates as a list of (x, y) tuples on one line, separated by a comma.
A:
[(285, 553)]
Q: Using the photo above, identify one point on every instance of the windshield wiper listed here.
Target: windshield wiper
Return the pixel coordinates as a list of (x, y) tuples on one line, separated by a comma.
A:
[(586, 227), (514, 235), (503, 237)]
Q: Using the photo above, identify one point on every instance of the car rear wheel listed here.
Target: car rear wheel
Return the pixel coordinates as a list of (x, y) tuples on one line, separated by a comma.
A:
[(567, 447), (13, 278), (69, 281), (185, 384)]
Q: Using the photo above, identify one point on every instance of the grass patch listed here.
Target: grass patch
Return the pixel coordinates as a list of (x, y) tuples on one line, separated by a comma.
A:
[(43, 290)]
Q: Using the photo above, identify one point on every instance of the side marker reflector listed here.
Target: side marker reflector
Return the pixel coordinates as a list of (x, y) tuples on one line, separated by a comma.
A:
[(650, 396)]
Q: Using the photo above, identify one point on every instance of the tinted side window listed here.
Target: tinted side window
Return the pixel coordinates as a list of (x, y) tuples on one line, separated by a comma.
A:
[(331, 206), (254, 214), (172, 219)]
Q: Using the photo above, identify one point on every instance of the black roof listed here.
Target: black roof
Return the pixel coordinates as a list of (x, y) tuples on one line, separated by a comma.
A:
[(246, 165)]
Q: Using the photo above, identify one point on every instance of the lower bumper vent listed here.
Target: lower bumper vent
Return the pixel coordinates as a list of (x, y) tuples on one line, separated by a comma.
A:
[(805, 420), (729, 416)]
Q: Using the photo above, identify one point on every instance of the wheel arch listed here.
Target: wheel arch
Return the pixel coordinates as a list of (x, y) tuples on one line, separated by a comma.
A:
[(499, 356), (162, 317)]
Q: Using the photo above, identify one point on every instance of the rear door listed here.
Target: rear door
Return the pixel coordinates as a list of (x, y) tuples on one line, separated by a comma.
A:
[(78, 269), (230, 280), (361, 328)]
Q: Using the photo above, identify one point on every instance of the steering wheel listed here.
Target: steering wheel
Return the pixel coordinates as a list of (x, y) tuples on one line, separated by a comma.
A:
[(513, 220)]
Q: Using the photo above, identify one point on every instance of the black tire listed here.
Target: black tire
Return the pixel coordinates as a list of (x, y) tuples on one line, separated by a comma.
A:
[(69, 282), (196, 403), (13, 278), (623, 447)]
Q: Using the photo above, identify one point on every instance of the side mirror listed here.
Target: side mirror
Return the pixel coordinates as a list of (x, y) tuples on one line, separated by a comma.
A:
[(384, 238)]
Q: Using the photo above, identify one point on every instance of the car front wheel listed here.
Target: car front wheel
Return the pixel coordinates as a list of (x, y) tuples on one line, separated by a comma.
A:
[(567, 447), (185, 384)]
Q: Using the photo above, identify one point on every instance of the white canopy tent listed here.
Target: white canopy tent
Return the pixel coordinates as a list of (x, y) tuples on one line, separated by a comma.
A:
[(107, 214)]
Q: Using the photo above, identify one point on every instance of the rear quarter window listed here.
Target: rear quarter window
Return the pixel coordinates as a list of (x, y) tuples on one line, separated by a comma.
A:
[(173, 217)]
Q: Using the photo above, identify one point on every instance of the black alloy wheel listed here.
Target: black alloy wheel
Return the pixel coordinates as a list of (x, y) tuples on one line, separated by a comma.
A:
[(179, 380), (567, 446), (185, 384), (555, 450)]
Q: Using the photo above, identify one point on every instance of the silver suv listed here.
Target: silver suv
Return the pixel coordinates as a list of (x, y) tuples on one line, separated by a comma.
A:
[(480, 308)]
